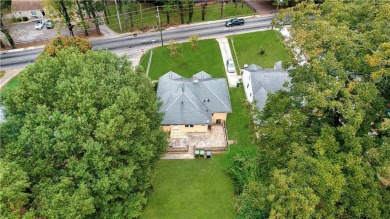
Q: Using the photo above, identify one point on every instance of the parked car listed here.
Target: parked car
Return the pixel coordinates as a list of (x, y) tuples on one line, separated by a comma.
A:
[(230, 66), (234, 22), (39, 25), (49, 24)]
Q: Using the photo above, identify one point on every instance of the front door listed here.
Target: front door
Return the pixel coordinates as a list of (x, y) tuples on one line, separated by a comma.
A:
[(218, 121)]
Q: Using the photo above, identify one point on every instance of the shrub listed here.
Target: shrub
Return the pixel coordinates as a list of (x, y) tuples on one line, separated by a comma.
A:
[(194, 40), (25, 18), (19, 19), (13, 19), (173, 49), (261, 51), (61, 42)]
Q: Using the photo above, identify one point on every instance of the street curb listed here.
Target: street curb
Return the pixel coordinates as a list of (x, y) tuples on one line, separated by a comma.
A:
[(22, 49)]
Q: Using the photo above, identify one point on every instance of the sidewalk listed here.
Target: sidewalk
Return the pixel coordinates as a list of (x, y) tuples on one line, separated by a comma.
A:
[(9, 75)]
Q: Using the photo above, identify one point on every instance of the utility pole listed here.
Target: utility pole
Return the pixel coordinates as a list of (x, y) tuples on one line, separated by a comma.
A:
[(159, 25), (117, 13)]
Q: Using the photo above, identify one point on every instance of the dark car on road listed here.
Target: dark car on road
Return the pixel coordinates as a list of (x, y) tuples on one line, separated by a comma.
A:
[(49, 24), (234, 22)]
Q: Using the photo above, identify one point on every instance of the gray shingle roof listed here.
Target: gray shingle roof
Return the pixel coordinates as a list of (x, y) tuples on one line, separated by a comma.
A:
[(187, 102), (266, 81)]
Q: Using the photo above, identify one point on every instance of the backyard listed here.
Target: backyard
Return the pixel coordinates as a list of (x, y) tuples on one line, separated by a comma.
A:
[(191, 189), (146, 17)]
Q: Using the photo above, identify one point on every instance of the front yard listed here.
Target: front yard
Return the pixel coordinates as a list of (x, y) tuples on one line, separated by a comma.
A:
[(207, 57)]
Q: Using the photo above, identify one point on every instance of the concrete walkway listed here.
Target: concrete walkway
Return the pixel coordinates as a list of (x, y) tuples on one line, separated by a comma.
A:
[(9, 74), (227, 54)]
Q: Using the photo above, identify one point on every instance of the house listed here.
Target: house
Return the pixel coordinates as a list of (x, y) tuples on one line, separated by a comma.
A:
[(259, 82), (28, 8), (193, 104)]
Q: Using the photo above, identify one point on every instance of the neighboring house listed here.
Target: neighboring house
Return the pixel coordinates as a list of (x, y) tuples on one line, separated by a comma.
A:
[(259, 82), (28, 8), (193, 104)]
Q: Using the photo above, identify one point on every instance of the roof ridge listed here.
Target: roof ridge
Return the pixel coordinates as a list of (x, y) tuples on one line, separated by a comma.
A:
[(194, 103), (217, 95), (173, 102)]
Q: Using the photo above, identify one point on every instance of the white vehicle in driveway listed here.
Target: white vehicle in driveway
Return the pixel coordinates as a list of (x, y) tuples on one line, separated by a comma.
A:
[(230, 66), (39, 25)]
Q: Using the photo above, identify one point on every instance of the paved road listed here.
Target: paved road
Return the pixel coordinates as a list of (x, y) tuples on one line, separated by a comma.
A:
[(130, 45)]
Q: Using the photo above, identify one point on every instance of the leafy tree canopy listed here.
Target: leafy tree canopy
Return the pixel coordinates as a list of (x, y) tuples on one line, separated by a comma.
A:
[(62, 42), (322, 153), (85, 131)]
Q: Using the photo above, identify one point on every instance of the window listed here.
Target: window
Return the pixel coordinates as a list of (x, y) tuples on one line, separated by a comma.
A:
[(250, 94), (175, 127), (247, 86), (33, 13), (189, 126)]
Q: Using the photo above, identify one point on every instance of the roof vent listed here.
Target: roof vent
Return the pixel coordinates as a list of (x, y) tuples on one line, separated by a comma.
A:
[(182, 102), (195, 79), (208, 100)]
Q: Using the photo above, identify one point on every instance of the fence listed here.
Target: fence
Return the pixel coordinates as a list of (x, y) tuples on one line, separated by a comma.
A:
[(183, 149)]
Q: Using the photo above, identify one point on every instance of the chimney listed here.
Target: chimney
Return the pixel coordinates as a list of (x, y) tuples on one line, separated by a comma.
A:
[(195, 79)]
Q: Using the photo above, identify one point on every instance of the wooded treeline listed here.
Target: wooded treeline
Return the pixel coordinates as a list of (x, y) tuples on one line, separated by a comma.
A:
[(323, 145)]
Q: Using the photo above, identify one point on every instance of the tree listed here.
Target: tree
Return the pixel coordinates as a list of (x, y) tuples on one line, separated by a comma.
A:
[(60, 43), (173, 49), (86, 130), (168, 9), (194, 41), (181, 12), (321, 152), (83, 23), (90, 7), (13, 185), (62, 11), (190, 10), (204, 5), (222, 1), (5, 30)]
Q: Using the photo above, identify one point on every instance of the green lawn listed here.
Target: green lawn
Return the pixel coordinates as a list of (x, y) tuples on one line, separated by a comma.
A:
[(149, 20), (206, 58), (191, 189), (248, 46)]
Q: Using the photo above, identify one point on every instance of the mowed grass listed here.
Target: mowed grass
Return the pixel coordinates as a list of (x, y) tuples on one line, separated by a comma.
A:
[(207, 57), (149, 19), (248, 45), (191, 189)]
